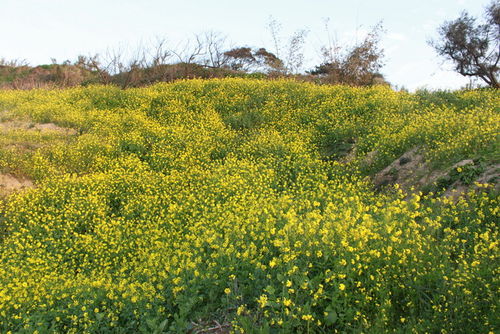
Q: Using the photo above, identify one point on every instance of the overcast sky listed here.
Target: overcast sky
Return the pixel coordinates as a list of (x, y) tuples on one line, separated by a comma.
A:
[(38, 30)]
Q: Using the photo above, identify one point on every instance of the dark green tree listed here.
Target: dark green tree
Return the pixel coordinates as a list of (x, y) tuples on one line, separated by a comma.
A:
[(472, 47)]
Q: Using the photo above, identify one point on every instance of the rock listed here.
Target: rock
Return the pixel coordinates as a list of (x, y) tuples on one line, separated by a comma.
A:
[(463, 163), (402, 171)]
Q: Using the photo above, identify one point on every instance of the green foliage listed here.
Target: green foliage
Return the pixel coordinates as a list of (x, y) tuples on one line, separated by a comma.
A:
[(466, 173)]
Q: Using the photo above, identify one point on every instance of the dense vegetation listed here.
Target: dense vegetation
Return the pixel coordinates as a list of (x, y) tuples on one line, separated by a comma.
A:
[(245, 202)]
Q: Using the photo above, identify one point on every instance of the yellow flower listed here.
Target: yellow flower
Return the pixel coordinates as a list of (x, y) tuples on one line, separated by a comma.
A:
[(307, 317), (262, 301), (240, 310), (342, 287)]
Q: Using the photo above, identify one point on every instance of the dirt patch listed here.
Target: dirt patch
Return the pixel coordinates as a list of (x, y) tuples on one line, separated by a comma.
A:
[(3, 114), (10, 183), (47, 127), (370, 158), (23, 146), (40, 127)]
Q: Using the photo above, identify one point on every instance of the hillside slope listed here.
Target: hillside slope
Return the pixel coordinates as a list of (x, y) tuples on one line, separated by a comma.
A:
[(249, 204)]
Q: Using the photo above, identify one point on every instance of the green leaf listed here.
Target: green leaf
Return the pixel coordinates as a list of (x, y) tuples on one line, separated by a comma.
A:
[(163, 325), (270, 290), (151, 323), (331, 317)]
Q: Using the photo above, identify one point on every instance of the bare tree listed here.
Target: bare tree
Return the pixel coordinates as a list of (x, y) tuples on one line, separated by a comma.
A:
[(295, 51), (291, 53), (189, 51), (357, 65), (214, 44), (188, 54), (93, 63), (364, 61), (331, 50), (126, 66), (274, 28), (13, 62), (121, 64), (473, 48), (159, 53)]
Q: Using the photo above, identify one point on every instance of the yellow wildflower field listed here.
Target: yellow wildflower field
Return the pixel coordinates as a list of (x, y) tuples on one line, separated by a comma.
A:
[(246, 203)]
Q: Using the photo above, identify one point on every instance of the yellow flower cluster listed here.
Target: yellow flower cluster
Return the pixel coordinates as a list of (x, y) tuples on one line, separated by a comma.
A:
[(228, 200)]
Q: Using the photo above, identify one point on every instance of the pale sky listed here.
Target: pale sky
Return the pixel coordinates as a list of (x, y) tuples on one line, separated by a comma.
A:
[(38, 30)]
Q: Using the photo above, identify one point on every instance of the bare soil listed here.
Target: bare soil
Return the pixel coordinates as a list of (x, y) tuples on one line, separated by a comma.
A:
[(40, 127), (10, 183)]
